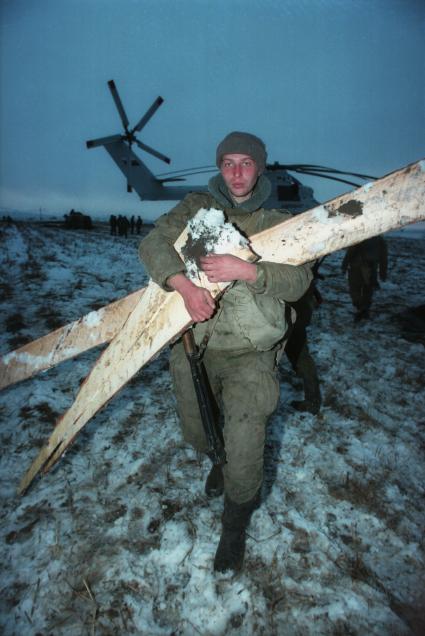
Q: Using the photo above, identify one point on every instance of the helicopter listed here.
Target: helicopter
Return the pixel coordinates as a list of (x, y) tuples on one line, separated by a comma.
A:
[(288, 192)]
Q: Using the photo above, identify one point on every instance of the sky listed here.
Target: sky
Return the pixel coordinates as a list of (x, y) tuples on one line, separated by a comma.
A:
[(338, 83), (119, 538)]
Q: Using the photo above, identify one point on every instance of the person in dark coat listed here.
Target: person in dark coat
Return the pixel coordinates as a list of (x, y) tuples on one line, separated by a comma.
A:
[(139, 224), (123, 224), (113, 224), (363, 261)]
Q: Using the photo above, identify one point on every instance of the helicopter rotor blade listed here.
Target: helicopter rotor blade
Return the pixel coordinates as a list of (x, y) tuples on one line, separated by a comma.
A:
[(297, 167), (189, 171), (103, 141), (171, 179), (153, 152), (118, 104), (326, 176), (149, 113), (190, 174), (320, 169)]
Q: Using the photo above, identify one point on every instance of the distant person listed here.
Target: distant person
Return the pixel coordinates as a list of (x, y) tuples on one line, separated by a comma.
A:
[(132, 224), (123, 225), (113, 224), (139, 224), (299, 356), (363, 261)]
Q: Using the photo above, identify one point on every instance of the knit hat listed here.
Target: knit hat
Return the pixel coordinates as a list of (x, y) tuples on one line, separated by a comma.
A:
[(244, 144)]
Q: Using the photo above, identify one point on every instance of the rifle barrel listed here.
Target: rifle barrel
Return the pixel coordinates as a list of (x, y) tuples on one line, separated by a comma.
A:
[(203, 395)]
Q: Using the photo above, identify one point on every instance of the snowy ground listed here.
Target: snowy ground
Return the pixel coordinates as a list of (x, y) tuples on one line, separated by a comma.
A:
[(119, 538)]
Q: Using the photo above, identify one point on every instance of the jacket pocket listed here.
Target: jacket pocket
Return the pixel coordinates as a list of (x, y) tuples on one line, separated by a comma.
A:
[(260, 318)]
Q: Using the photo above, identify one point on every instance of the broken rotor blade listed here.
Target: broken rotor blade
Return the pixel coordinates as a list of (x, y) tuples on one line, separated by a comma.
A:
[(93, 329), (118, 104), (159, 317), (149, 113), (153, 152), (103, 141)]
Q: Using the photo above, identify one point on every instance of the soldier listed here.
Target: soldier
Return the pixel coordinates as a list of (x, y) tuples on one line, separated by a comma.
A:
[(113, 224), (125, 226), (245, 331), (363, 261), (139, 224)]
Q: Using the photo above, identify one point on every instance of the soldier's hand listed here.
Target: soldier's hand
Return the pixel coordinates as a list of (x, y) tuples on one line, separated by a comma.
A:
[(199, 303), (223, 268), (197, 300)]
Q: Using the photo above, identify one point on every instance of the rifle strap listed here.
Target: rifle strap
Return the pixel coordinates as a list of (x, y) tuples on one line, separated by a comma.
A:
[(209, 332)]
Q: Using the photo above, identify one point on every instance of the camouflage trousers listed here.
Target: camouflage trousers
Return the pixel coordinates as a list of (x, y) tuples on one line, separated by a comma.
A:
[(362, 281), (246, 389)]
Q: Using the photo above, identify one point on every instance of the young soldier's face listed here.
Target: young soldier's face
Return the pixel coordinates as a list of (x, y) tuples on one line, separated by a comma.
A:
[(240, 173)]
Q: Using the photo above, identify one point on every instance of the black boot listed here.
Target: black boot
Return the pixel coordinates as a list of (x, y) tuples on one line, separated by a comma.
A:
[(312, 398), (303, 406), (362, 315), (214, 485), (231, 549)]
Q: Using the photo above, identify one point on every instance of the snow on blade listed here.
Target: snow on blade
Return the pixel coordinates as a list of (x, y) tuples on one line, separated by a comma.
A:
[(209, 232)]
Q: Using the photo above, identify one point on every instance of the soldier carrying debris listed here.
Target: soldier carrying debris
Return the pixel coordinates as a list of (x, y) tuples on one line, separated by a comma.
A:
[(363, 261), (244, 331)]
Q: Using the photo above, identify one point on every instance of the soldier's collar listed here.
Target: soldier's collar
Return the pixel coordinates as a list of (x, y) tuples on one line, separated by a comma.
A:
[(220, 192)]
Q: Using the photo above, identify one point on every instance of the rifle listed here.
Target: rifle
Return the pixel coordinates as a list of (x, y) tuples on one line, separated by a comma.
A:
[(315, 269), (203, 394)]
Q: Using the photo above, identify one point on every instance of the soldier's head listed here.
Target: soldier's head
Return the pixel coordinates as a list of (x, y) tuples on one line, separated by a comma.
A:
[(241, 158)]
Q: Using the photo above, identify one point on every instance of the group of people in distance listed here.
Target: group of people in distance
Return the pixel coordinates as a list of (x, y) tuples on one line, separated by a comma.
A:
[(121, 225), (244, 334)]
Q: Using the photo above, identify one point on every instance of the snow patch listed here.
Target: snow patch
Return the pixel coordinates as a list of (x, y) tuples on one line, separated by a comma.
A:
[(337, 542), (209, 232), (94, 318)]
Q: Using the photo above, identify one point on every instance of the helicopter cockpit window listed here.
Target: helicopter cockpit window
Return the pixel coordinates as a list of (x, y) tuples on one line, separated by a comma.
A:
[(289, 192)]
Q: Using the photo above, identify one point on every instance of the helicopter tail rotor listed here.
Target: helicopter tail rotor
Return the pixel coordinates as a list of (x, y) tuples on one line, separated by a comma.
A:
[(129, 136), (153, 152)]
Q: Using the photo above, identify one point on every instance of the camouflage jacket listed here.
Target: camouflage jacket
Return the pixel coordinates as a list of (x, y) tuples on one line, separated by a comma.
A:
[(250, 315)]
